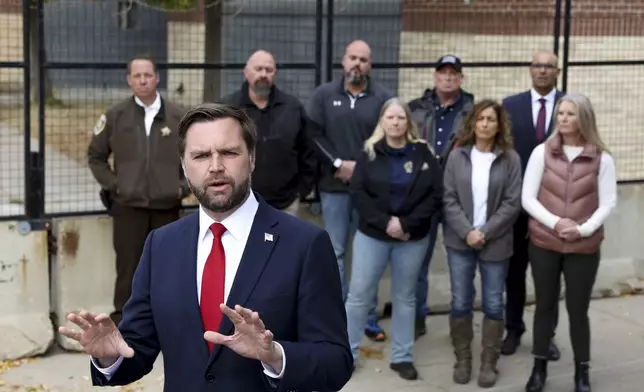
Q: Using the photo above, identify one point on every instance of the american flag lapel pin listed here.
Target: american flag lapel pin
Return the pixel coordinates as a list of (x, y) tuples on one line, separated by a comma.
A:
[(268, 237)]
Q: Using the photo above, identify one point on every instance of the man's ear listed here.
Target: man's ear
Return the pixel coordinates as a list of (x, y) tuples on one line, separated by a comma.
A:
[(251, 161), (183, 167)]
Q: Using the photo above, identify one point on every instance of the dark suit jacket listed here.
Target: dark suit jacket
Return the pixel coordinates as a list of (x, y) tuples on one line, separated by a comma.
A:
[(292, 281), (519, 108)]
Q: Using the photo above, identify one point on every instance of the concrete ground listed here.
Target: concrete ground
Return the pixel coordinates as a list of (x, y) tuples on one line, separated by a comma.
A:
[(617, 347)]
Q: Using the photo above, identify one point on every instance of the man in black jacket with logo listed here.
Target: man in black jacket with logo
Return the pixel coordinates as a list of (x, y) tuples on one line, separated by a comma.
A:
[(285, 165)]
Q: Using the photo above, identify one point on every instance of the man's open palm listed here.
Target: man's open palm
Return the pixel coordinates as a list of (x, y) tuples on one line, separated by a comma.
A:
[(98, 336), (251, 339)]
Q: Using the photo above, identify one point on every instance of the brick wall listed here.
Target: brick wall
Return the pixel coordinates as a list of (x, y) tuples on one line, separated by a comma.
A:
[(524, 17), (10, 6), (511, 31)]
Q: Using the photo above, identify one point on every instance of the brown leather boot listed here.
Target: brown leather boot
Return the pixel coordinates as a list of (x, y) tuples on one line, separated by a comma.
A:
[(462, 334), (492, 335)]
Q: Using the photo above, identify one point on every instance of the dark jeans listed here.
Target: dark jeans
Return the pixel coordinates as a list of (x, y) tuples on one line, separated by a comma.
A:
[(462, 271), (131, 228), (579, 271), (515, 282)]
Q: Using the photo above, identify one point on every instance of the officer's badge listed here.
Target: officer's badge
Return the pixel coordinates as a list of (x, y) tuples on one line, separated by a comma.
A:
[(408, 166), (100, 125), (165, 131)]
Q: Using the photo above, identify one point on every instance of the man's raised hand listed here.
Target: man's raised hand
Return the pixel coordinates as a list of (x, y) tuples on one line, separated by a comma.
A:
[(251, 339), (98, 336)]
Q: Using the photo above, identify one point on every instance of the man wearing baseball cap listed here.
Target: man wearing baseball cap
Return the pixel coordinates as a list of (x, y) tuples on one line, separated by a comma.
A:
[(439, 114)]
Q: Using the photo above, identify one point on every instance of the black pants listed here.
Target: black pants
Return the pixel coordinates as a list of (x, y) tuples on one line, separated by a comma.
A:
[(515, 290), (579, 271), (131, 228)]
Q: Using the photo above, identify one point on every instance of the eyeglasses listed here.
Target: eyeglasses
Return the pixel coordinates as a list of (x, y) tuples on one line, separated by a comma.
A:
[(542, 65)]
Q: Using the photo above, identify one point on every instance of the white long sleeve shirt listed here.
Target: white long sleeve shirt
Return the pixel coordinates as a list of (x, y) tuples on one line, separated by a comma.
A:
[(607, 191)]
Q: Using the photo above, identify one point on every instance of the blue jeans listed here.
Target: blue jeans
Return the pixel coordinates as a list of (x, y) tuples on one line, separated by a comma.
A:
[(372, 257), (462, 270), (341, 221), (422, 287)]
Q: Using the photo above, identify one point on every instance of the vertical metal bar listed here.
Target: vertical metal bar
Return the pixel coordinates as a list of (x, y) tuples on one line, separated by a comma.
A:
[(38, 157), (42, 79), (557, 27), (329, 40), (26, 53), (319, 20), (566, 45)]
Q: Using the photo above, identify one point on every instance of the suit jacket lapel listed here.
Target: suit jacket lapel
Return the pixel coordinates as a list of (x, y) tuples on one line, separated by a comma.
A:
[(558, 96), (260, 244), (187, 273)]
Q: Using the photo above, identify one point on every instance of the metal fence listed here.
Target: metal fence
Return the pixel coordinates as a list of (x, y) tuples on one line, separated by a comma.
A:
[(71, 55)]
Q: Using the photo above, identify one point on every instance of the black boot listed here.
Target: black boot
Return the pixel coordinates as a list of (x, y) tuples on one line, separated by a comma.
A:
[(538, 377), (582, 379)]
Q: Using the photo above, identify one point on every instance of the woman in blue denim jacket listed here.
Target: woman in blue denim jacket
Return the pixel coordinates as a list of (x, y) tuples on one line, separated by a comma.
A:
[(396, 188), (482, 200)]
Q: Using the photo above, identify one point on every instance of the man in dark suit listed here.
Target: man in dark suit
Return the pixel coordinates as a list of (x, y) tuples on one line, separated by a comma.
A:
[(531, 115), (273, 276)]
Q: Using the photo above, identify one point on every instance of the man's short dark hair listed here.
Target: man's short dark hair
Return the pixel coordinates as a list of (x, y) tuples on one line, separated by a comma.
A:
[(207, 112), (142, 57)]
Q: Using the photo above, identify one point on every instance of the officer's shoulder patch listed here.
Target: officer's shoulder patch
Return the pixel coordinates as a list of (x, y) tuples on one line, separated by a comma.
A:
[(100, 124)]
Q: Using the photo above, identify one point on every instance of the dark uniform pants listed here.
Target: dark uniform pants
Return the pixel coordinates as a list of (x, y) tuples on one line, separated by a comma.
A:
[(131, 228)]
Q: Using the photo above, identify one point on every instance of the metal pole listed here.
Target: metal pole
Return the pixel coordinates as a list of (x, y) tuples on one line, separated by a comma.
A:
[(26, 53), (557, 28), (319, 20), (38, 157), (566, 45), (329, 40)]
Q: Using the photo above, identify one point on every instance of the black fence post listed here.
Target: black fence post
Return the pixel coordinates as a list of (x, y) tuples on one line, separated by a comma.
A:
[(319, 21), (566, 45), (329, 40), (35, 171), (26, 52), (557, 27)]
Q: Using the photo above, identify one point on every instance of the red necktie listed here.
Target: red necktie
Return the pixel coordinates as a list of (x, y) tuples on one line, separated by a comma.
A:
[(541, 120), (212, 282)]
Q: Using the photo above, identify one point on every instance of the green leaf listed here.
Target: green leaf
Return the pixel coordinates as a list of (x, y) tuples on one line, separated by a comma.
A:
[(173, 5)]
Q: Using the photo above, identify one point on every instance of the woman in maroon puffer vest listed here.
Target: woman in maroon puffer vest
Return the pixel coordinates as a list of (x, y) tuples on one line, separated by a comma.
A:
[(569, 189)]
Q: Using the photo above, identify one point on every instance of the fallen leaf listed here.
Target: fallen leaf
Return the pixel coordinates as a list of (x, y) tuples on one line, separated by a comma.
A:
[(371, 352)]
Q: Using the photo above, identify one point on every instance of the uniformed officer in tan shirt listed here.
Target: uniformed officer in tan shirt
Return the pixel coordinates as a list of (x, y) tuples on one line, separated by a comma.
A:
[(145, 188)]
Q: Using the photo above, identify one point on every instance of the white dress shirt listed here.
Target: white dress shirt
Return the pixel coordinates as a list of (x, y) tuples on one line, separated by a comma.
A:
[(234, 239), (150, 111), (607, 191), (536, 106)]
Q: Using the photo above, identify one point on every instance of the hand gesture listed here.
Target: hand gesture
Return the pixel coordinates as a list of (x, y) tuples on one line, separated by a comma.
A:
[(570, 234), (98, 336), (563, 224), (475, 239), (394, 228), (251, 339)]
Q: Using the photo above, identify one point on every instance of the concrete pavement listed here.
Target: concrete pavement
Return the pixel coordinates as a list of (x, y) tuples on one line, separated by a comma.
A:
[(617, 347)]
